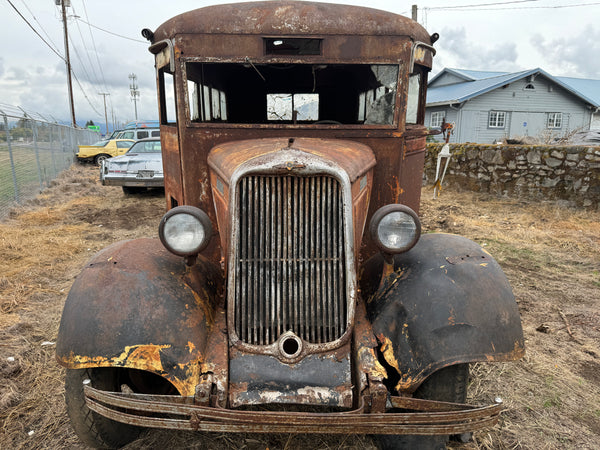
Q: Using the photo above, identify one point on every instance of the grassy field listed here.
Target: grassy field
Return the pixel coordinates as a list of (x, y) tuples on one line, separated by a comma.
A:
[(30, 169), (550, 254)]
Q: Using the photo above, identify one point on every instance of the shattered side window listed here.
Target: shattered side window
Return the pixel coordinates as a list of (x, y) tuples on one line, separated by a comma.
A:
[(379, 103), (412, 102)]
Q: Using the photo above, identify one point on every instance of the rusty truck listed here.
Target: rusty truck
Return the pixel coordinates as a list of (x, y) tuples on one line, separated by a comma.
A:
[(289, 288)]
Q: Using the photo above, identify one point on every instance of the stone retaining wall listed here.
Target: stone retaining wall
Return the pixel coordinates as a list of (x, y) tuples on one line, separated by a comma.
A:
[(570, 174)]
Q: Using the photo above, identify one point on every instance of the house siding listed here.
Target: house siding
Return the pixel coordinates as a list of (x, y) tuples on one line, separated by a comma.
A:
[(451, 116), (526, 112)]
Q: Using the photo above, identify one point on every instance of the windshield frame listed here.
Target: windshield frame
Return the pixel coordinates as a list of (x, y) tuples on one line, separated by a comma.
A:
[(183, 85)]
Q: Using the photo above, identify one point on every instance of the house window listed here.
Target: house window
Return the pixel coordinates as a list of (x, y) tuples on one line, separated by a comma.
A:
[(437, 118), (497, 119), (554, 120), (529, 87)]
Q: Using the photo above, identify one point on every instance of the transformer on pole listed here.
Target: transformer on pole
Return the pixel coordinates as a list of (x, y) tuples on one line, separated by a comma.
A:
[(134, 92)]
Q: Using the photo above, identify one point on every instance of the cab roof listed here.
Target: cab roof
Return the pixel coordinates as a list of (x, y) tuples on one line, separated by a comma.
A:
[(295, 18)]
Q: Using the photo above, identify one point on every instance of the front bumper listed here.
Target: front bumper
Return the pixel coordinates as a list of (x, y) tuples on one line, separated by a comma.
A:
[(180, 413), (158, 181)]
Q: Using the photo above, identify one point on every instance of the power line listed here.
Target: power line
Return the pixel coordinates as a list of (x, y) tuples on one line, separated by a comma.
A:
[(110, 32), (85, 95), (35, 31), (481, 4), (96, 50), (87, 54), (40, 25), (512, 8)]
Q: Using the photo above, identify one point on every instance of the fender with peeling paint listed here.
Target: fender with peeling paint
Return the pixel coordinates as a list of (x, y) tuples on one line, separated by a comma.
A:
[(135, 305), (446, 302)]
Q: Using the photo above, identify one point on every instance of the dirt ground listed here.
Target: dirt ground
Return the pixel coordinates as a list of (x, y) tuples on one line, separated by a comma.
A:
[(550, 254)]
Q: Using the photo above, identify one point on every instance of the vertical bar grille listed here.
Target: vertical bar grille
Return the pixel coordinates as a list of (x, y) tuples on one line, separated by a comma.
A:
[(290, 261)]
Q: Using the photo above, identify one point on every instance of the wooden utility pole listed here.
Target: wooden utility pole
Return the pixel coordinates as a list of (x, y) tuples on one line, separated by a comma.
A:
[(414, 12), (68, 59)]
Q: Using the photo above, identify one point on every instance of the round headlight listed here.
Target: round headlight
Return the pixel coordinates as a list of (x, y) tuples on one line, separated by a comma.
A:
[(185, 230), (395, 228)]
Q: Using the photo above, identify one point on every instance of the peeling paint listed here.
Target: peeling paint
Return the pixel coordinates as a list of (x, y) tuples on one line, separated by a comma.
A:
[(388, 352)]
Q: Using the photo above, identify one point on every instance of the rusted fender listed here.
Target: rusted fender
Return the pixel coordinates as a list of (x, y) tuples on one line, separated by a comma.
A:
[(446, 302), (135, 305)]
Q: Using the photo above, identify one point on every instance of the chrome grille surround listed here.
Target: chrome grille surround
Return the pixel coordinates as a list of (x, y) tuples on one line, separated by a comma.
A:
[(296, 281)]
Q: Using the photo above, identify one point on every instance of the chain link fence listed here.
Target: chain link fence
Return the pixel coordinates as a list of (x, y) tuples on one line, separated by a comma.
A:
[(33, 151)]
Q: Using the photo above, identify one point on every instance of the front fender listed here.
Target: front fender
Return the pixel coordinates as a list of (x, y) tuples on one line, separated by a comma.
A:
[(135, 305), (446, 302)]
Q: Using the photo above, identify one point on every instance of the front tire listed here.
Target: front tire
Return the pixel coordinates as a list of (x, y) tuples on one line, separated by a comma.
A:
[(447, 385), (93, 429)]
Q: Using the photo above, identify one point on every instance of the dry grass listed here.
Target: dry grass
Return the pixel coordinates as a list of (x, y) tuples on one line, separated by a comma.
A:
[(550, 254)]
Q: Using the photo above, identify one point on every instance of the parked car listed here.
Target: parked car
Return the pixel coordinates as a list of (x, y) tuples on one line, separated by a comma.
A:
[(138, 169), (102, 150), (139, 133)]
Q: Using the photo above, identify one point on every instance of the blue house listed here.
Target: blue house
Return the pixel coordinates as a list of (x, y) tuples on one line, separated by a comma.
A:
[(490, 106)]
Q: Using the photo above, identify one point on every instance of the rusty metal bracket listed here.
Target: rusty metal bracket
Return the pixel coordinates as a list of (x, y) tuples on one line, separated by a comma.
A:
[(432, 418)]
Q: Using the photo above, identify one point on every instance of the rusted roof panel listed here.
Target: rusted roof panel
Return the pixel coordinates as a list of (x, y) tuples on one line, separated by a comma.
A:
[(290, 18)]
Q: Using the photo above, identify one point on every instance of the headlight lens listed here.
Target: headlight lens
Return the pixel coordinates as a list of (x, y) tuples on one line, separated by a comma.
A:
[(395, 228), (185, 230)]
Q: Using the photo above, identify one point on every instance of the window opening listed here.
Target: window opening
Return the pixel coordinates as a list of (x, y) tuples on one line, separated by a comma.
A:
[(437, 119), (413, 97), (497, 119), (292, 46), (168, 110), (292, 93), (554, 120), (294, 107), (529, 87)]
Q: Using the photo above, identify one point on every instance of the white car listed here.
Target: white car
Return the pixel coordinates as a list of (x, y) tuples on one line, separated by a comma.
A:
[(138, 169)]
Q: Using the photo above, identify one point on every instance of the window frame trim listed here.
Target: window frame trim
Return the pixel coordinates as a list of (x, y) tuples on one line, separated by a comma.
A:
[(555, 115), (497, 127), (195, 59), (443, 114)]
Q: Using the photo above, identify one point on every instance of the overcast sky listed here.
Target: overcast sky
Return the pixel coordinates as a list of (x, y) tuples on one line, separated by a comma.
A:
[(502, 35)]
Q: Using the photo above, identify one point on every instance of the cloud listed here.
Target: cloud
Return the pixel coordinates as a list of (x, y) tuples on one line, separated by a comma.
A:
[(460, 52), (572, 55)]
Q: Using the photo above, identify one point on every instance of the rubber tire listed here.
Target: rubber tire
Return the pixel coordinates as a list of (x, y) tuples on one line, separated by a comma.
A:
[(132, 190), (101, 157), (448, 385), (94, 430)]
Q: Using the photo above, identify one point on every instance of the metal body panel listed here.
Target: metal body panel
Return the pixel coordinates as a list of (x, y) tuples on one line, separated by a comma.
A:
[(290, 18), (135, 305), (322, 379), (397, 176), (446, 302)]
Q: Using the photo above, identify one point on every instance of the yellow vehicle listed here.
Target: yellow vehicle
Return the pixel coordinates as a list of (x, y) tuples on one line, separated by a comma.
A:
[(102, 150)]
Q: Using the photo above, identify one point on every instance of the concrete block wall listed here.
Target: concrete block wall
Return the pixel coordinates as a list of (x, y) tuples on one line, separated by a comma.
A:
[(569, 174)]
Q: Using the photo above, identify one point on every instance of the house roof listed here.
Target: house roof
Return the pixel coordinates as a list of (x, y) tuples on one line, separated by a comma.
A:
[(467, 75), (589, 88), (480, 82)]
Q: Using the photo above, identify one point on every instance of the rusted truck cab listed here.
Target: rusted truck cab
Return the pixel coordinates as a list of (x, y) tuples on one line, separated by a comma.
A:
[(289, 268)]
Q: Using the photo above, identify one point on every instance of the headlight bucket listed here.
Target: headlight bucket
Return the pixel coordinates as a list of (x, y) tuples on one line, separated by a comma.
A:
[(185, 230), (395, 228)]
